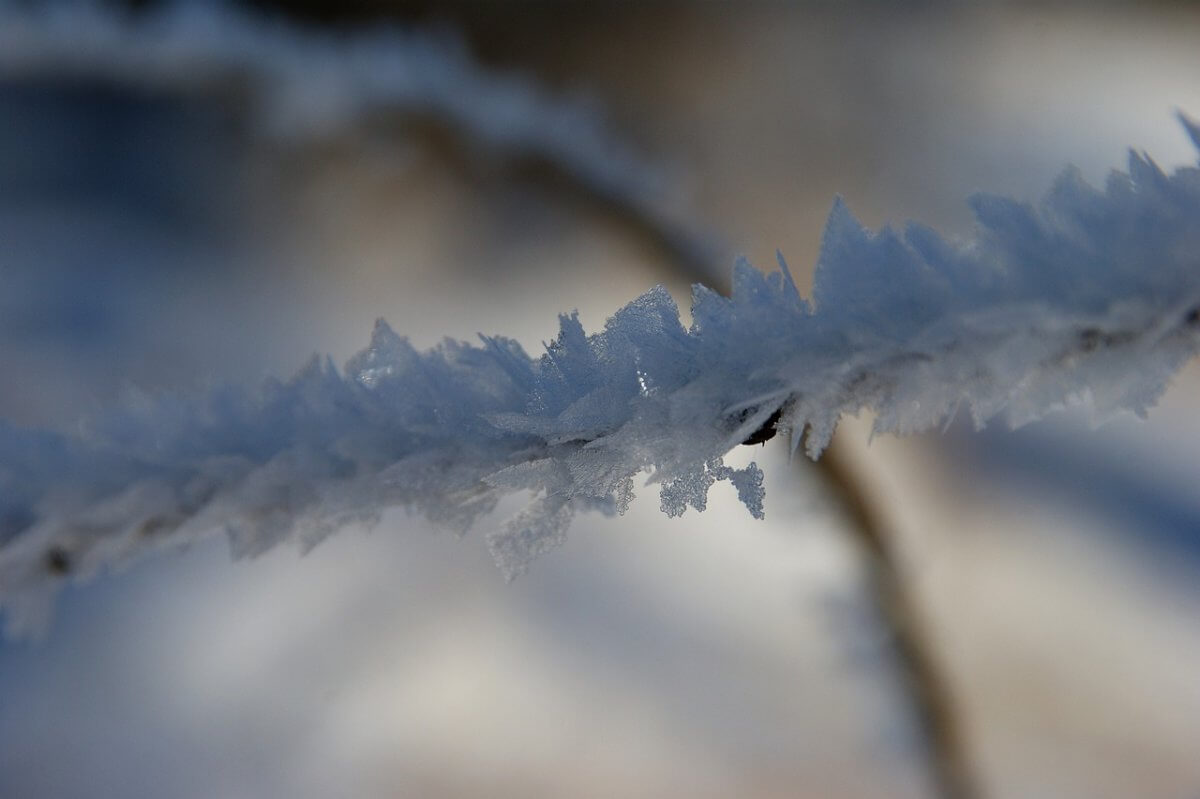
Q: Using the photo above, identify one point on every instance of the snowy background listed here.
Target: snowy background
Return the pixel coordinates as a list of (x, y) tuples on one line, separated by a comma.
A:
[(156, 236)]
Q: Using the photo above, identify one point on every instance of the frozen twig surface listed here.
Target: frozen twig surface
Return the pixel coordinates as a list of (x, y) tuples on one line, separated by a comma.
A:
[(1090, 297)]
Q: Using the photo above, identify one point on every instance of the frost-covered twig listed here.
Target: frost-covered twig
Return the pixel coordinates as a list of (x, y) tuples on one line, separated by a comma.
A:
[(1089, 298), (303, 86)]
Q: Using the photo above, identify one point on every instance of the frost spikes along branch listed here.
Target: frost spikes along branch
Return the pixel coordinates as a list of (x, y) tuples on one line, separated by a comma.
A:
[(1088, 298)]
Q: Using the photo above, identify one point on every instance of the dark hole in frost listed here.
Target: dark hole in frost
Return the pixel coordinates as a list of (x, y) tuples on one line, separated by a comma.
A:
[(58, 561), (766, 431), (1089, 339)]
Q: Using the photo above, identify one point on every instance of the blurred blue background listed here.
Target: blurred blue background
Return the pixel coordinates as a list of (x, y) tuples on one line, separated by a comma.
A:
[(158, 232)]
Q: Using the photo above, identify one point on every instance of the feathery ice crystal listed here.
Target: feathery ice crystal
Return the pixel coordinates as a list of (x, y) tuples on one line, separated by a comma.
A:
[(1091, 297)]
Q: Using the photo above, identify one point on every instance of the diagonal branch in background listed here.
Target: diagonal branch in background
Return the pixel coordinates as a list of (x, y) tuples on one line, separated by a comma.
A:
[(935, 713), (927, 689), (299, 88)]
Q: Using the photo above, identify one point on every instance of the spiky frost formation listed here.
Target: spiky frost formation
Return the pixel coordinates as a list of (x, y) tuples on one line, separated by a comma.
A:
[(1090, 297)]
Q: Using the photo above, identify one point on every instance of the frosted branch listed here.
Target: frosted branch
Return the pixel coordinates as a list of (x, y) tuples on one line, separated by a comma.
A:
[(1088, 298)]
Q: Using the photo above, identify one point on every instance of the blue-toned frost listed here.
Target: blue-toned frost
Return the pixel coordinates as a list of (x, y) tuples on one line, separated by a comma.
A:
[(1088, 297)]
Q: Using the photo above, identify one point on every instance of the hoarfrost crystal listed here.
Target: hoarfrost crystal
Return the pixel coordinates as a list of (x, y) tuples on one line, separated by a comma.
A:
[(1091, 297)]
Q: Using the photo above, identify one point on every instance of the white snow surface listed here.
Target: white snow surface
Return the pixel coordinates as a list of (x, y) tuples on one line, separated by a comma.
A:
[(1090, 297)]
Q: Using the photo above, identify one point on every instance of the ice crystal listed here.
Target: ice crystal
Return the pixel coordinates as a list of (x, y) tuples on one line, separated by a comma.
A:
[(1089, 297)]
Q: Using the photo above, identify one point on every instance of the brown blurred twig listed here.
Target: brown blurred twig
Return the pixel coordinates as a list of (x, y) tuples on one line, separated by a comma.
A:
[(926, 688), (925, 685), (934, 709), (684, 258)]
